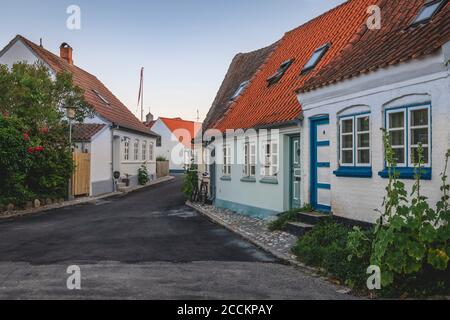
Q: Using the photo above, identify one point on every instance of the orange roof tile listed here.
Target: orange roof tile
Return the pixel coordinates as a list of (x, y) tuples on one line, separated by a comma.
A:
[(261, 105), (116, 112), (397, 41), (175, 124)]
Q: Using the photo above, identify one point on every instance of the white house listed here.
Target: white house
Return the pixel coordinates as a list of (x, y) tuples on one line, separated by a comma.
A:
[(396, 78), (258, 171), (116, 140), (175, 142)]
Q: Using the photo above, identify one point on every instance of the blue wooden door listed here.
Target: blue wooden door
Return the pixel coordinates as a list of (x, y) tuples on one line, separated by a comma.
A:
[(320, 164)]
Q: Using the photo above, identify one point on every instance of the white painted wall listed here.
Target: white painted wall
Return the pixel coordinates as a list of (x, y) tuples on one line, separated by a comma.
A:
[(271, 197), (101, 163), (18, 52), (414, 82), (171, 148)]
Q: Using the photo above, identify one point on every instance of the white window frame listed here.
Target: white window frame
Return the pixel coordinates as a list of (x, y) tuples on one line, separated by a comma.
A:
[(341, 139), (271, 159), (404, 129), (249, 159), (136, 150), (226, 167), (151, 151), (144, 150), (357, 134), (411, 128), (126, 150)]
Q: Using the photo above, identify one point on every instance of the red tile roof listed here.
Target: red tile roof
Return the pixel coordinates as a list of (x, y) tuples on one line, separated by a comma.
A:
[(261, 105), (394, 43), (115, 112), (175, 124), (83, 132)]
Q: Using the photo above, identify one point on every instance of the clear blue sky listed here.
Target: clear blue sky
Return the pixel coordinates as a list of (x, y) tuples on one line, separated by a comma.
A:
[(185, 46)]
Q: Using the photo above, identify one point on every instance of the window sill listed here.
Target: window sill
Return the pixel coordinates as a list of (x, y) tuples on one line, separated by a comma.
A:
[(269, 180), (407, 173), (225, 178), (248, 179), (354, 172)]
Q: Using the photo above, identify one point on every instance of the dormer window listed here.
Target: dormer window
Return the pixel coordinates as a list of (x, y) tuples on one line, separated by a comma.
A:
[(315, 58), (428, 11), (102, 98), (240, 90), (280, 72)]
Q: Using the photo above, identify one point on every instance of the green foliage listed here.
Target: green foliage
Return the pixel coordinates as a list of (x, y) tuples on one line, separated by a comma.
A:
[(143, 177), (190, 180), (36, 160), (291, 215), (161, 158), (326, 247)]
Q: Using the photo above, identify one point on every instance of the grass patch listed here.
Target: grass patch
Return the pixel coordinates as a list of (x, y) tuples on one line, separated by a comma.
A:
[(286, 217)]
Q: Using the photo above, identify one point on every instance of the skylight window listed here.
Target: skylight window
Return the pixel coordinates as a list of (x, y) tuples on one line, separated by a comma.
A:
[(102, 98), (280, 72), (428, 11), (316, 57), (240, 90)]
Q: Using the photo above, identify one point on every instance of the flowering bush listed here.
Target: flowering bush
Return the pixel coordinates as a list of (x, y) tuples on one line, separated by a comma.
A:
[(35, 155)]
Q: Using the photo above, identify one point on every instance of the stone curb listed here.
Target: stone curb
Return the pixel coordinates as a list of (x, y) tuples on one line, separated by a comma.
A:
[(283, 257), (15, 214)]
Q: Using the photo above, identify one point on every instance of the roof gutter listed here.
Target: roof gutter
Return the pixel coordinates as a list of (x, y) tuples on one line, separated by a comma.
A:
[(117, 127)]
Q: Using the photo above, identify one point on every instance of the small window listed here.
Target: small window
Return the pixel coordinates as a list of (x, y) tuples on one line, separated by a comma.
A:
[(144, 150), (226, 161), (355, 149), (428, 11), (126, 150), (270, 159), (240, 90), (102, 98), (315, 59), (280, 72), (158, 142), (136, 150), (151, 149), (249, 159)]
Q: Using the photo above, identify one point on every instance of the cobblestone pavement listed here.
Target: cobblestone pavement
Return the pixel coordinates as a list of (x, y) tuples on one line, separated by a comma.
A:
[(253, 229)]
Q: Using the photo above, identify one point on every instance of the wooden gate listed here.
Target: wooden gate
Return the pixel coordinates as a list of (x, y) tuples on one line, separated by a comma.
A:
[(81, 179)]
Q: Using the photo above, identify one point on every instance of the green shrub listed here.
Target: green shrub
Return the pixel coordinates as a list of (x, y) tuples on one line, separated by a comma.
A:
[(161, 158), (190, 180), (291, 215), (326, 247), (143, 177)]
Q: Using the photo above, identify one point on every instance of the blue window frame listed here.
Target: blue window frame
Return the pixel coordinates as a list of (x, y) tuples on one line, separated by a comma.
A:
[(355, 146), (408, 127), (428, 11)]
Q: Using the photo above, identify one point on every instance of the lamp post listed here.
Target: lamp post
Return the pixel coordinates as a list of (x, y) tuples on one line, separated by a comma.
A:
[(70, 113)]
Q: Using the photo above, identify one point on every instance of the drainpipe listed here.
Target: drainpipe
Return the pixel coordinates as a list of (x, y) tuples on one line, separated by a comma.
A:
[(113, 127)]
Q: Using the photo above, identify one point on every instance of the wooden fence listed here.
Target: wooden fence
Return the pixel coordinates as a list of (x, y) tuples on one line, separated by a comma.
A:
[(162, 169), (81, 179)]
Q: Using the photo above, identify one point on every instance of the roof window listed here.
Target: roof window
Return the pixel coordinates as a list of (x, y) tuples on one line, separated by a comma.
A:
[(241, 89), (427, 12), (280, 72), (315, 58), (102, 98)]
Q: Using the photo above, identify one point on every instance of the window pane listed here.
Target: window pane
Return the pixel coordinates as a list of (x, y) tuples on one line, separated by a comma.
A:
[(363, 156), (399, 155), (415, 155), (419, 136), (347, 126), (397, 120), (428, 11), (347, 157), (347, 141), (363, 124), (419, 117), (397, 138), (363, 140)]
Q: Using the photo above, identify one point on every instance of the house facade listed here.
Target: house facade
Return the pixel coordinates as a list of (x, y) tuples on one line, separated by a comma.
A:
[(115, 139), (258, 169), (175, 143), (399, 81)]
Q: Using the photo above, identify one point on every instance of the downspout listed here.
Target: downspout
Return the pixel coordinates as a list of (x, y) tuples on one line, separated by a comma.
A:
[(113, 127)]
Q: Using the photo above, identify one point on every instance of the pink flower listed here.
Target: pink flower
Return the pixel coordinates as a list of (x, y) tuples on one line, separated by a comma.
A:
[(39, 149), (26, 137), (43, 130), (30, 150)]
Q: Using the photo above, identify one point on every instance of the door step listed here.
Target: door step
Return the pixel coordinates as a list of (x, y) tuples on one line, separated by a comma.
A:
[(311, 218), (298, 229)]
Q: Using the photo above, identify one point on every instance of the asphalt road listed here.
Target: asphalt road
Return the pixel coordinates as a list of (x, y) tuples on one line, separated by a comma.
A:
[(146, 245)]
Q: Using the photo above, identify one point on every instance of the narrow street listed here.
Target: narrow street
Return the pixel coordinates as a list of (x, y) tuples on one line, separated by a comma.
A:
[(147, 245)]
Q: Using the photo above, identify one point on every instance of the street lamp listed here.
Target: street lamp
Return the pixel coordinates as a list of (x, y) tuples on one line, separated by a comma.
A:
[(70, 113)]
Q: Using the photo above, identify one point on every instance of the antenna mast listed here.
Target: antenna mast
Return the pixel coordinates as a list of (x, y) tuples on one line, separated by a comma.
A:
[(141, 94)]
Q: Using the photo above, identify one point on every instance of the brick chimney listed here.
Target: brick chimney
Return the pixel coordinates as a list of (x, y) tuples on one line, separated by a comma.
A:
[(65, 52)]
